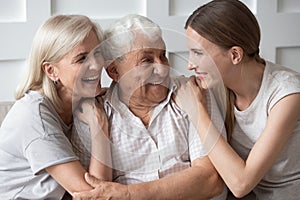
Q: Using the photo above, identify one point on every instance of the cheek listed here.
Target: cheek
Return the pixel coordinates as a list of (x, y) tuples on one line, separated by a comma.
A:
[(193, 59), (203, 63), (69, 78), (74, 80)]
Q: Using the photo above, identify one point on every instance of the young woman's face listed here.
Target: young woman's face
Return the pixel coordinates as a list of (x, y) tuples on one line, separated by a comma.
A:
[(208, 60), (80, 70)]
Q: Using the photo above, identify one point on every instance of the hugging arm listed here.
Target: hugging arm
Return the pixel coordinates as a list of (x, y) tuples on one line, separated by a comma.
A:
[(70, 175), (200, 181), (93, 114), (242, 176)]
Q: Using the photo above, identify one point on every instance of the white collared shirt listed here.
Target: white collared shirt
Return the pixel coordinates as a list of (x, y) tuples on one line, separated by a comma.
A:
[(167, 145), (140, 154)]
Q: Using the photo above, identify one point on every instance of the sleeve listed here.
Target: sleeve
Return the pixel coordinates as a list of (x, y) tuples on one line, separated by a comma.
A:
[(48, 144), (285, 83), (47, 151)]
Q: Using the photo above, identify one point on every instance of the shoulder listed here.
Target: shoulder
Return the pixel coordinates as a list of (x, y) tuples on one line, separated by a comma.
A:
[(279, 83), (36, 111), (282, 75)]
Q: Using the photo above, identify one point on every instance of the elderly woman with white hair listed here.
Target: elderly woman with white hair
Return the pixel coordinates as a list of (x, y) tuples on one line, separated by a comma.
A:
[(156, 152)]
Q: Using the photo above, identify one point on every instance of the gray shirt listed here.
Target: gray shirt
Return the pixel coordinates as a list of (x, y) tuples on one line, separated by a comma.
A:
[(33, 137), (282, 181)]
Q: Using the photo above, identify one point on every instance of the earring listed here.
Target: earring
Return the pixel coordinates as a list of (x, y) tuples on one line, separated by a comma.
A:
[(55, 82)]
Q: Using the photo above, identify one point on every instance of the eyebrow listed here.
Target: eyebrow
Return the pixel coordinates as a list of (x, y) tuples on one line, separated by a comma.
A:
[(144, 52), (193, 49), (147, 52)]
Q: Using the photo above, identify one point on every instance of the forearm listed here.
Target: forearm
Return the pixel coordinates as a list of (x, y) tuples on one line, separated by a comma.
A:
[(239, 177), (194, 183), (100, 170), (70, 176), (100, 164)]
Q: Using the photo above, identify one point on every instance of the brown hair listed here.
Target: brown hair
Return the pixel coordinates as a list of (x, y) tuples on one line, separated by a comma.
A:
[(228, 23)]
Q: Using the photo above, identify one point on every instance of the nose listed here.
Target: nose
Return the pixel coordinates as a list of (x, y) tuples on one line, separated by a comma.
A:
[(191, 66), (94, 63), (160, 69)]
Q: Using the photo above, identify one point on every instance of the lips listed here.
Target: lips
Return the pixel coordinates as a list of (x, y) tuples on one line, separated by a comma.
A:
[(91, 78), (156, 83), (202, 75)]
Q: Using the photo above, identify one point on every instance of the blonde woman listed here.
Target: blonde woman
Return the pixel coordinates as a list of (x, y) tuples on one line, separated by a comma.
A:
[(37, 157)]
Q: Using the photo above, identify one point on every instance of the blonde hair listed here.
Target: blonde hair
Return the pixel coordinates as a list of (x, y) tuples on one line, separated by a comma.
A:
[(54, 39)]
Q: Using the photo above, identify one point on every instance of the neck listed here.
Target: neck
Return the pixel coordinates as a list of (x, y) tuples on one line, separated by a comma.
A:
[(139, 107), (247, 84), (142, 112), (68, 103)]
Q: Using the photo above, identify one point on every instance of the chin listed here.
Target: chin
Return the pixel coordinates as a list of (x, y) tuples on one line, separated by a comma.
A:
[(160, 95), (88, 93)]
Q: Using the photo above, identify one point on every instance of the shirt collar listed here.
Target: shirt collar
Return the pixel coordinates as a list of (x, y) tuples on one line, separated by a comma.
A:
[(112, 99)]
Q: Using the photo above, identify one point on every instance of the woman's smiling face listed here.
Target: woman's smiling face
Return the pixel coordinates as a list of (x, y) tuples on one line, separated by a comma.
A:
[(144, 72), (206, 58), (80, 70)]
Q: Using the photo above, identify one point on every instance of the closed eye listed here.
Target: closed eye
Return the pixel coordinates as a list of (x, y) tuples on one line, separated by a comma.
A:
[(81, 59), (196, 52), (147, 60)]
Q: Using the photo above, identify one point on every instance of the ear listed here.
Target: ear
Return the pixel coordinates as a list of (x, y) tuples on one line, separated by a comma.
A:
[(50, 71), (112, 71), (236, 54)]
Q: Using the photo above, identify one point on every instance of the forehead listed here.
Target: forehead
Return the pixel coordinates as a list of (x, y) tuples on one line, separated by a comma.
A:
[(143, 46), (150, 51), (142, 41), (87, 45), (195, 40)]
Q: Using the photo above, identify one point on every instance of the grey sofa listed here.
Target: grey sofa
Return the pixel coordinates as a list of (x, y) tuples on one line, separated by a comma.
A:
[(4, 108)]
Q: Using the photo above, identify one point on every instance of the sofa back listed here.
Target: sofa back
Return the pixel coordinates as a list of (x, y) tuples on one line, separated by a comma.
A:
[(4, 108)]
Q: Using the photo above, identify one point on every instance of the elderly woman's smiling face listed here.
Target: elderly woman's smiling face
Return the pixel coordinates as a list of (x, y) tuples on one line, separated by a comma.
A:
[(143, 73)]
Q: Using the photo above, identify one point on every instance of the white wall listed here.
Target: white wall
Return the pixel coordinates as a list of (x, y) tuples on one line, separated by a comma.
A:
[(19, 19)]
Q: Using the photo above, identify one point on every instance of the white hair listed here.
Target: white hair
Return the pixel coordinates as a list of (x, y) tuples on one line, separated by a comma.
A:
[(120, 35)]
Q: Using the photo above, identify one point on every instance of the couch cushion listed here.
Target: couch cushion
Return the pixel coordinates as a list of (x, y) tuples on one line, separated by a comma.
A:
[(4, 108)]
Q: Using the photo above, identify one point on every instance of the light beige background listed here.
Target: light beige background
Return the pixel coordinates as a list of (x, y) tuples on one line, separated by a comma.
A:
[(19, 19)]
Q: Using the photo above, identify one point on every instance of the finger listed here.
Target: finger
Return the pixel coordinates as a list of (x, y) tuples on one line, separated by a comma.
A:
[(99, 102), (102, 92), (200, 83), (203, 83), (82, 195), (181, 80), (177, 82), (192, 83)]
